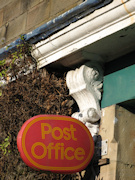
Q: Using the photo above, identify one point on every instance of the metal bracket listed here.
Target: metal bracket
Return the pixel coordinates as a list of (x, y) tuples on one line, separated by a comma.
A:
[(102, 148)]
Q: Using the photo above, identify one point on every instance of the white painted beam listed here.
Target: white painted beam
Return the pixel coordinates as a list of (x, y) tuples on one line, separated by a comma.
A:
[(102, 23)]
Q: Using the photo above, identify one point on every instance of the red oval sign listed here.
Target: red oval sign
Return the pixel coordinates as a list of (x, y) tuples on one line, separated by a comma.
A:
[(55, 143)]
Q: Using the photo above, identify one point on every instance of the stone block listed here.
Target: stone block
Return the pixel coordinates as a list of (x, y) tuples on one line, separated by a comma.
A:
[(2, 35), (1, 17), (107, 132), (60, 6), (118, 128), (4, 3), (11, 11), (33, 3), (125, 135), (38, 15), (28, 4), (16, 28)]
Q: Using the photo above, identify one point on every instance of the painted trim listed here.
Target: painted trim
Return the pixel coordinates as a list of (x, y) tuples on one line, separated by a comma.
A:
[(55, 25), (92, 28), (119, 87)]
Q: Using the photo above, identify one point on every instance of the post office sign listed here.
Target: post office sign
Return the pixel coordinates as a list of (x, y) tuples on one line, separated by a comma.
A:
[(55, 143)]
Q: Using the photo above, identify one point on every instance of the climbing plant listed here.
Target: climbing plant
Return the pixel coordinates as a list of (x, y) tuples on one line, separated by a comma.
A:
[(17, 62), (26, 93), (5, 145)]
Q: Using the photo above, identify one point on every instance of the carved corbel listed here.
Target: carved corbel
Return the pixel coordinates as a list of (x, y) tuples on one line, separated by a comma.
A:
[(85, 86)]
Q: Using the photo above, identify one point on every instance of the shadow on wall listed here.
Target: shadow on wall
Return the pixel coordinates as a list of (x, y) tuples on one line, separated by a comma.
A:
[(92, 172)]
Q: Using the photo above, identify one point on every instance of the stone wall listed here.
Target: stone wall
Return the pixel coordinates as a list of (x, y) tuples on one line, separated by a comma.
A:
[(118, 129), (22, 16)]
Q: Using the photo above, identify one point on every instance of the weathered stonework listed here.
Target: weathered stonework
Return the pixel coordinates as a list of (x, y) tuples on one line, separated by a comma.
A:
[(60, 6), (38, 14), (34, 12), (1, 17), (15, 29), (118, 128), (11, 11), (4, 3)]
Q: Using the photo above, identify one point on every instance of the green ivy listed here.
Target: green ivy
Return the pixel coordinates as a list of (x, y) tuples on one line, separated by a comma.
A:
[(21, 50), (5, 145), (15, 61)]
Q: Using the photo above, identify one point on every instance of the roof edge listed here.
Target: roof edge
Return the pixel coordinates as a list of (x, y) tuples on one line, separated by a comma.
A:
[(56, 24)]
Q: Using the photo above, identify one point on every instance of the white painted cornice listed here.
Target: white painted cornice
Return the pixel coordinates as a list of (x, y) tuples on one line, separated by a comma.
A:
[(102, 23)]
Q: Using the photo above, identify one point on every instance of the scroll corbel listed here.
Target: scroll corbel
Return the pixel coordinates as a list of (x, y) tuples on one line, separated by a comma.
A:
[(85, 86)]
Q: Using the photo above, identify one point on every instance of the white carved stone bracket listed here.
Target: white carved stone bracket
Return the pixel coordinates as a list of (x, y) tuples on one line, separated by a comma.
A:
[(85, 86)]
